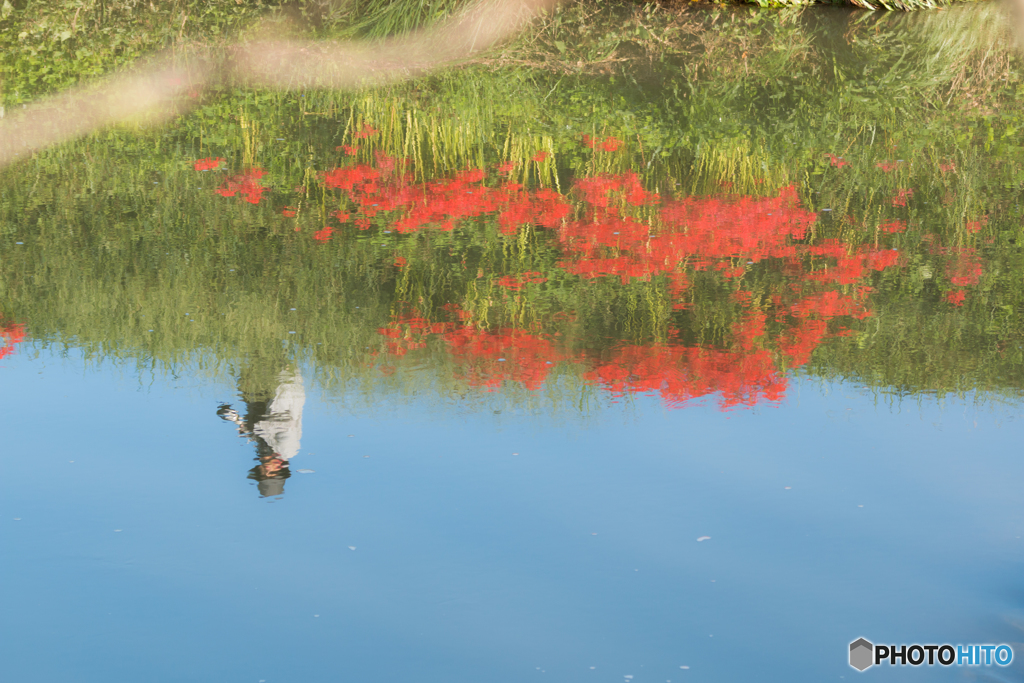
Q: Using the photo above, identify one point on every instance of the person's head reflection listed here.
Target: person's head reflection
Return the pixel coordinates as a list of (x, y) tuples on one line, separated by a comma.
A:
[(273, 423), (270, 475)]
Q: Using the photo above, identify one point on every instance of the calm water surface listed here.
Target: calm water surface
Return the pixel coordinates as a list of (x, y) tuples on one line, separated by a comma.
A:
[(671, 370)]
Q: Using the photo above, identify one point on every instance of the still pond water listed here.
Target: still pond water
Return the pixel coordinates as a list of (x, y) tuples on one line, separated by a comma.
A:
[(673, 368)]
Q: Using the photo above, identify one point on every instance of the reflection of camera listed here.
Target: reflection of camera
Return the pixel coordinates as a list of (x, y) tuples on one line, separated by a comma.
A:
[(228, 413)]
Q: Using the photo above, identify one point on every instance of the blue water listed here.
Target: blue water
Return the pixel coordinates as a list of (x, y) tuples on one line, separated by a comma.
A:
[(474, 546)]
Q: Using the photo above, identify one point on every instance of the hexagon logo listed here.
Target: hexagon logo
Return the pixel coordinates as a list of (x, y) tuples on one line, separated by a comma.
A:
[(862, 654)]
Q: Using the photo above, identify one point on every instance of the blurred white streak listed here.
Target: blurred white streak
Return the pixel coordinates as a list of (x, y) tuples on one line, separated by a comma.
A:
[(168, 87), (155, 92), (290, 64)]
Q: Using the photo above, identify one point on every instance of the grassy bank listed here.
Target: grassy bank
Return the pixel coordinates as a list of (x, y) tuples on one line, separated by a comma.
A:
[(49, 46)]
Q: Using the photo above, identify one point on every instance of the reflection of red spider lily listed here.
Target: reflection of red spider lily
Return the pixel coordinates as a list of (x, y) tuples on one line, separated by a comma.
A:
[(610, 144), (901, 197), (851, 265), (681, 374), (599, 190), (838, 162), (246, 185), (827, 305), (742, 375), (723, 236), (348, 177), (893, 226), (207, 164), (364, 132), (517, 282), (12, 335), (976, 226), (708, 232), (441, 204), (490, 358), (965, 268)]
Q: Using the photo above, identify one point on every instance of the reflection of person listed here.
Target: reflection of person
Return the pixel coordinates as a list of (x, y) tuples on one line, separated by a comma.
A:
[(275, 426)]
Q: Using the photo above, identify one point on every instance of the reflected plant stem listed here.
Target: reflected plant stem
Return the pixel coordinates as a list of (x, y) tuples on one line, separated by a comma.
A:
[(168, 87)]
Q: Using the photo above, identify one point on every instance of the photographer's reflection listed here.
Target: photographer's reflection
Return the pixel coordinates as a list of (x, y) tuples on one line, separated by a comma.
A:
[(274, 424)]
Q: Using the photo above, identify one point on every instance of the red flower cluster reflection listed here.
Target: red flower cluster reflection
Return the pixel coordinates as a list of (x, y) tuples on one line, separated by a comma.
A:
[(740, 376), (609, 144), (245, 185), (486, 358), (838, 162), (364, 132), (12, 334), (517, 282), (618, 229), (680, 374), (901, 197), (893, 226), (963, 269), (207, 164), (788, 287), (724, 234), (441, 204)]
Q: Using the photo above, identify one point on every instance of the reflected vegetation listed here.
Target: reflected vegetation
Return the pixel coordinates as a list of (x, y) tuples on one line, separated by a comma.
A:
[(449, 282), (11, 334), (699, 212)]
